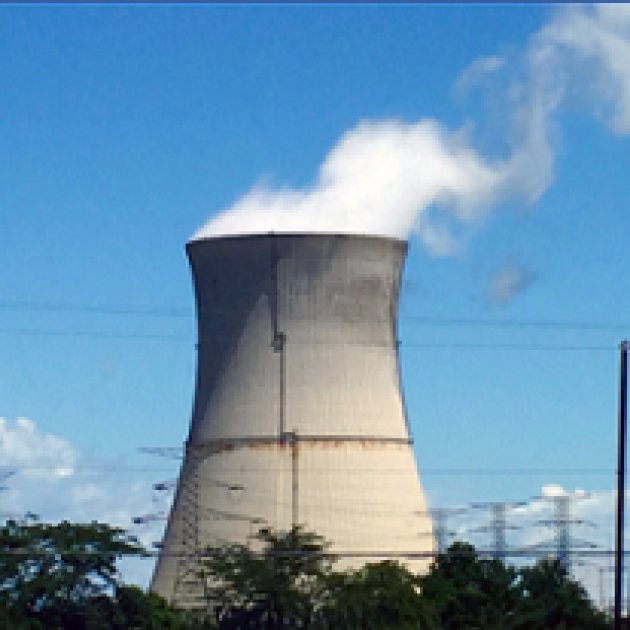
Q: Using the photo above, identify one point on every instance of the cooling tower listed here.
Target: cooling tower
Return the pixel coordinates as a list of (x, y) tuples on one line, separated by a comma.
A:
[(298, 415)]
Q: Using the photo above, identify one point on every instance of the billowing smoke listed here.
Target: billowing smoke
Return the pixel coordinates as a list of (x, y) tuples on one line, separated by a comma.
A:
[(397, 178)]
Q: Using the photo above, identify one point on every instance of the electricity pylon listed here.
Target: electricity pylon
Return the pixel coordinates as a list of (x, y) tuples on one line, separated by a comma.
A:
[(498, 525)]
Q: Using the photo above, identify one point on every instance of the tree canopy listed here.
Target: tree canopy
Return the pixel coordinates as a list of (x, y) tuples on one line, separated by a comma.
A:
[(291, 582), (284, 582), (64, 576)]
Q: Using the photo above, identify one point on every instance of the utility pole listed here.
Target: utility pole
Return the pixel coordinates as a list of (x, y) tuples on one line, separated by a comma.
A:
[(621, 479)]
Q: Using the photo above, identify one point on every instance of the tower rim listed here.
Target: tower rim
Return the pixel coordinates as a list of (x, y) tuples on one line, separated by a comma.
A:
[(298, 234)]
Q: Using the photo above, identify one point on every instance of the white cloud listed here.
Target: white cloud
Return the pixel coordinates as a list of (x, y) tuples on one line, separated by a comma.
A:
[(552, 490), (532, 527), (109, 494), (37, 454), (55, 482), (508, 282)]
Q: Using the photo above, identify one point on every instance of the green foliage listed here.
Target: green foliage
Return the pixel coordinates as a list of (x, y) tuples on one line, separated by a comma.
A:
[(469, 592), (551, 600), (280, 584), (49, 570), (289, 582), (64, 577), (380, 596)]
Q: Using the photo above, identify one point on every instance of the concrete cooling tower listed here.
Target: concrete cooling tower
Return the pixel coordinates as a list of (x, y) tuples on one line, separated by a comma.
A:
[(298, 416)]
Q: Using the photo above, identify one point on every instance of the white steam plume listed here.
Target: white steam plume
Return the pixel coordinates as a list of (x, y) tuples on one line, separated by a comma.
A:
[(476, 72), (588, 50), (382, 178), (394, 178)]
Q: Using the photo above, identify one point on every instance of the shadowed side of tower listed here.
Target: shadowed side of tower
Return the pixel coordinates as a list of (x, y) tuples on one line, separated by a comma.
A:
[(298, 415)]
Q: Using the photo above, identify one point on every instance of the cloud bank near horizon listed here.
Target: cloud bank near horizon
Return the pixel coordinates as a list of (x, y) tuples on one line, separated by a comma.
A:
[(82, 493), (53, 480)]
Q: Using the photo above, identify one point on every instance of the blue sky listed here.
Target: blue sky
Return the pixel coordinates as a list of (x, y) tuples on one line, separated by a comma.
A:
[(124, 129)]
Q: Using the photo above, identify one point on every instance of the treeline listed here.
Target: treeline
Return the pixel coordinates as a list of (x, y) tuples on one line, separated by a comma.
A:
[(64, 576)]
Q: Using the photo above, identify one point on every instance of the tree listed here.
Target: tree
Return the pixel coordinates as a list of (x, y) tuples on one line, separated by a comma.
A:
[(551, 599), (289, 582), (474, 593), (280, 584), (379, 596), (471, 592), (50, 574), (131, 608)]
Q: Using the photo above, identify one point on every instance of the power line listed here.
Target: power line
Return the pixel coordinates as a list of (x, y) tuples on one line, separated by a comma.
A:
[(513, 323), (420, 320), (406, 554), (96, 309), (33, 332), (509, 346), (92, 334), (116, 469)]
